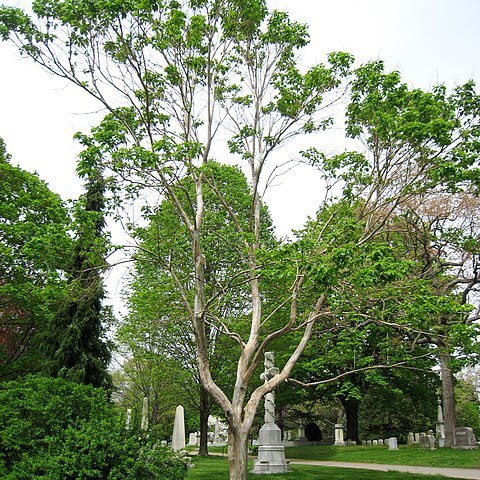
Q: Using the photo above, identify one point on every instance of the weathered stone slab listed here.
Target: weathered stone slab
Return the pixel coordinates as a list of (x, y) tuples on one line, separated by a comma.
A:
[(464, 438), (392, 443)]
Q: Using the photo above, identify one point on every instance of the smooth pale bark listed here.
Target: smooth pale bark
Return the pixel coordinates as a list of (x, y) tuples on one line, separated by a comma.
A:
[(448, 398), (237, 453)]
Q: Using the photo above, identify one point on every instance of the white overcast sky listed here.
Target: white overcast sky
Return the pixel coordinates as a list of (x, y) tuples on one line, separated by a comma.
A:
[(429, 41)]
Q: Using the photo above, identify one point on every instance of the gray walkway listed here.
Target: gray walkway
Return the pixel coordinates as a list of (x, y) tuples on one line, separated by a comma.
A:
[(469, 473)]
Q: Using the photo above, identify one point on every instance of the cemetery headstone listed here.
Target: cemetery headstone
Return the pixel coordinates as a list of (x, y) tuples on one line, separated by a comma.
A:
[(464, 438), (374, 442), (410, 438), (216, 434), (392, 443), (192, 439), (301, 433)]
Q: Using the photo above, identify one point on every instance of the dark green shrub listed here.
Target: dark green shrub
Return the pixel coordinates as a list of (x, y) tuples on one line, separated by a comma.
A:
[(54, 429)]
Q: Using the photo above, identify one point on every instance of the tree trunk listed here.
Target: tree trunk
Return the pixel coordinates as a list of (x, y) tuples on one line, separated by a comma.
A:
[(237, 453), (204, 413), (448, 399), (351, 407)]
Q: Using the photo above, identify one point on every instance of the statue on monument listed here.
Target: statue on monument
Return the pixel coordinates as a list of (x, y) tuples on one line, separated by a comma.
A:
[(269, 373), (271, 453)]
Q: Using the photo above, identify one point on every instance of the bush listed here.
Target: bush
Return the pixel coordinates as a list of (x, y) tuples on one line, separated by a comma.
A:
[(54, 429)]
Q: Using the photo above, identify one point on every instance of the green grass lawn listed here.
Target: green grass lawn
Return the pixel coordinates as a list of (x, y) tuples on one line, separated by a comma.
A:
[(406, 455), (216, 468)]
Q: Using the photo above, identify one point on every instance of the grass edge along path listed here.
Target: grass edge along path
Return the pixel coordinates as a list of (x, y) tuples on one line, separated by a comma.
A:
[(405, 455), (216, 468)]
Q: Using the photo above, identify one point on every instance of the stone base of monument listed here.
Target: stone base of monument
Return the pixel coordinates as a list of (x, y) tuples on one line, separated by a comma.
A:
[(271, 453), (271, 459)]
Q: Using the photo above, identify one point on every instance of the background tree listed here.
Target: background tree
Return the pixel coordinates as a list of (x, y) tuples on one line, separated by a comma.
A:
[(444, 234), (76, 337), (147, 373), (372, 280), (34, 248), (387, 406)]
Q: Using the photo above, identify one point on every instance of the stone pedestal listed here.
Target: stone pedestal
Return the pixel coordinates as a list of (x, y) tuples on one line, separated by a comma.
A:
[(271, 453), (301, 434), (339, 440)]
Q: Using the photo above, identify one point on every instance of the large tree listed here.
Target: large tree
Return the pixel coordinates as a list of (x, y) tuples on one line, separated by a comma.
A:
[(422, 152), (373, 285)]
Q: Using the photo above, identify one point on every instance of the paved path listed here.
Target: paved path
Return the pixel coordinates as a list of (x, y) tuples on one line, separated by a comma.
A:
[(466, 473)]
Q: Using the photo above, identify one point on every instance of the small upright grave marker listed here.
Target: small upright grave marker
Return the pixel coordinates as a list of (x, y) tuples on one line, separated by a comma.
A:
[(392, 443)]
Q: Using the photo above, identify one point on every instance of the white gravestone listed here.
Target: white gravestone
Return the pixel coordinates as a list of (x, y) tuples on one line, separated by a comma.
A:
[(192, 439), (392, 443), (301, 434), (216, 432), (178, 437)]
